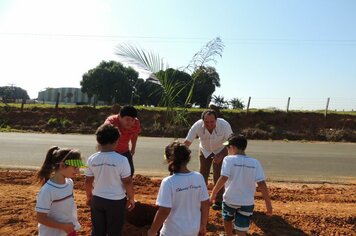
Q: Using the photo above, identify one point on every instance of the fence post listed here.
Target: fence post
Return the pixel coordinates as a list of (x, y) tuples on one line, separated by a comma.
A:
[(248, 104), (288, 104), (94, 103), (327, 106), (22, 104), (57, 100)]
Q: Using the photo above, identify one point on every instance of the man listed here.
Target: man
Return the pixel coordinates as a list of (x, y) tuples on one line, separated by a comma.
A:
[(129, 126), (212, 133)]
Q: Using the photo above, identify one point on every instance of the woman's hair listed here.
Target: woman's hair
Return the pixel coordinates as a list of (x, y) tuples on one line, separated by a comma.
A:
[(54, 157), (177, 155)]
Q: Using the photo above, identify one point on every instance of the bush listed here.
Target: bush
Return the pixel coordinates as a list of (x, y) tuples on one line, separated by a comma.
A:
[(59, 122)]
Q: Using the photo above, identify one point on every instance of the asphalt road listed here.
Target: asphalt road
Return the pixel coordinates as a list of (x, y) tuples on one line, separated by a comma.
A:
[(282, 161)]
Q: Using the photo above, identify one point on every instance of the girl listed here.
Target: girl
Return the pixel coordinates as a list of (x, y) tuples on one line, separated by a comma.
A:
[(55, 207), (183, 198)]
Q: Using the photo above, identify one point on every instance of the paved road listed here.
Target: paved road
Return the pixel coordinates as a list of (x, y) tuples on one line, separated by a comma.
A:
[(284, 161)]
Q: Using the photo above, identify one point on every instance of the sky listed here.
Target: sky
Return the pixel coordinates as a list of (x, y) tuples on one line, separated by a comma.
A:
[(275, 49)]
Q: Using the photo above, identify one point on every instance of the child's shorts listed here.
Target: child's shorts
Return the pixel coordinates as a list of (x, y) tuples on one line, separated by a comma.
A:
[(241, 214)]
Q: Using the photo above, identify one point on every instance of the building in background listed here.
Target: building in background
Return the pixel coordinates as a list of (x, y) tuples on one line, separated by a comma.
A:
[(66, 95)]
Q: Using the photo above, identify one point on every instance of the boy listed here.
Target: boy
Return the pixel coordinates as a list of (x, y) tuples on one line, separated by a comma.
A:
[(129, 126), (108, 184), (239, 174)]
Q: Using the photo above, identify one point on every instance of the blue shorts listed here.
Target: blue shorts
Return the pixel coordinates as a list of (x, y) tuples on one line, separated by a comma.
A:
[(242, 216)]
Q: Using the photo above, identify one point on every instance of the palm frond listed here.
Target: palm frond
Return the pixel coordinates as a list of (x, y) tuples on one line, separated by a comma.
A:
[(139, 58)]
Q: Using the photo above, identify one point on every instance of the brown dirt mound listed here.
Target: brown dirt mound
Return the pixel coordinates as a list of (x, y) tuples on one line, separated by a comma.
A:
[(299, 209), (275, 125)]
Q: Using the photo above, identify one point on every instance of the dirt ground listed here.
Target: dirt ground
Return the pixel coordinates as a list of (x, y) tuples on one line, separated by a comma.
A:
[(299, 208)]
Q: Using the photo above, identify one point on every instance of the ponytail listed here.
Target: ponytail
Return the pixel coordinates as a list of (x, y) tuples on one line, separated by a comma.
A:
[(54, 157), (47, 167), (180, 156)]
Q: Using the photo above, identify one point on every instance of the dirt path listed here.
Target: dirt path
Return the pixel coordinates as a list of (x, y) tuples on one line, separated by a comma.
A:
[(299, 209)]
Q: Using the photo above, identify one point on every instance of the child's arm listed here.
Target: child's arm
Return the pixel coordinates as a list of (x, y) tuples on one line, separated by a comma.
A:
[(89, 188), (128, 184), (42, 218), (221, 181), (160, 217), (264, 190), (205, 205)]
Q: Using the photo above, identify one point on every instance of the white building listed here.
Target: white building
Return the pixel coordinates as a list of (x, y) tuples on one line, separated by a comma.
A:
[(66, 95)]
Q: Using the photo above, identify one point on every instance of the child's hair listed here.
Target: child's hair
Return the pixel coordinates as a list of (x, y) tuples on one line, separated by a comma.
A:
[(107, 134), (176, 154), (54, 157), (237, 140), (128, 111)]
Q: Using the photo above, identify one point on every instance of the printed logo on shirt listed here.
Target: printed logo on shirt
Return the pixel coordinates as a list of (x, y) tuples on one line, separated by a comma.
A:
[(188, 188), (252, 167), (104, 164)]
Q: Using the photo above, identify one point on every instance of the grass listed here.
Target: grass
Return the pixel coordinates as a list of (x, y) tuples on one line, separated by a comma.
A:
[(252, 110)]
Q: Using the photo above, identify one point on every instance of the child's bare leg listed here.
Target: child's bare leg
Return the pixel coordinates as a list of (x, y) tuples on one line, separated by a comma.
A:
[(228, 227)]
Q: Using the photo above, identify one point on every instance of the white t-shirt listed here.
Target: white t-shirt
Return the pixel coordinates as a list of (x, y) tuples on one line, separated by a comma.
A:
[(210, 142), (183, 193), (58, 202), (108, 168), (243, 172)]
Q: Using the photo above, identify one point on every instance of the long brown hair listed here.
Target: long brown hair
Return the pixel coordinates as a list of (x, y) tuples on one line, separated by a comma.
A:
[(177, 155), (55, 155)]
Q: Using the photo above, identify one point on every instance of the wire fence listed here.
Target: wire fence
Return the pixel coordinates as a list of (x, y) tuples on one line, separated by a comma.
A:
[(300, 104)]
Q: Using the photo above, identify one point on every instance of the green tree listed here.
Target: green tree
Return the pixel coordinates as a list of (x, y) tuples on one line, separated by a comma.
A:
[(110, 82), (152, 63), (175, 82), (237, 103), (13, 92), (220, 102), (206, 80)]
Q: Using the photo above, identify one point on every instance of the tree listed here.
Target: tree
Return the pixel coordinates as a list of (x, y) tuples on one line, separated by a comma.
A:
[(13, 92), (206, 80), (237, 103), (174, 89), (220, 102), (110, 82), (152, 63)]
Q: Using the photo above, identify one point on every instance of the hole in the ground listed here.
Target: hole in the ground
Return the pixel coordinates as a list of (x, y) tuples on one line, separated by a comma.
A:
[(143, 214)]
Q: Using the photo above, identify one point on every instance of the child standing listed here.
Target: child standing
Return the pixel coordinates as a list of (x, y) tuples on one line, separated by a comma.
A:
[(108, 184), (183, 198), (240, 173), (55, 206)]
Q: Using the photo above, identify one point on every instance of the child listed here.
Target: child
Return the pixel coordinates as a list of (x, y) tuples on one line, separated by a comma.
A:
[(55, 206), (108, 184), (240, 173), (183, 198)]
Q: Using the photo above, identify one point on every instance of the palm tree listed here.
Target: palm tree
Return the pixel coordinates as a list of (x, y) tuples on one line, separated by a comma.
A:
[(152, 63)]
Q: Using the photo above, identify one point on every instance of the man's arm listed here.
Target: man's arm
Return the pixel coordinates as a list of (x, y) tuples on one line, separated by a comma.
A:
[(264, 190), (133, 143), (220, 156), (89, 188), (192, 134), (187, 143)]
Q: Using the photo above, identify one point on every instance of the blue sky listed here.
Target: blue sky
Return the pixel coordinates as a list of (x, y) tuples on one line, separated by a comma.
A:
[(301, 49)]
